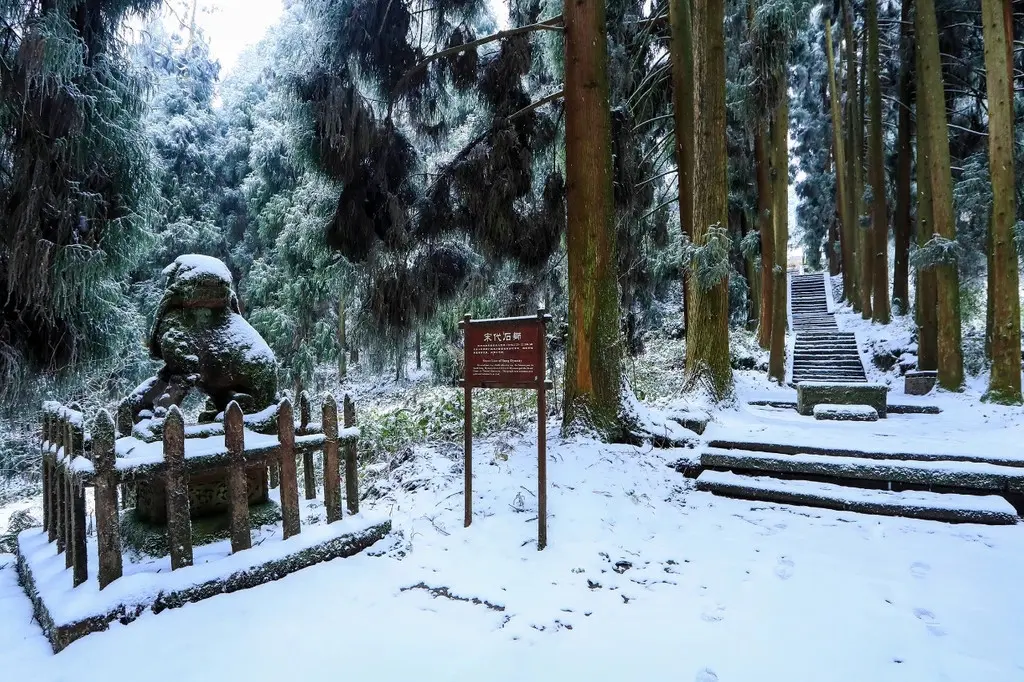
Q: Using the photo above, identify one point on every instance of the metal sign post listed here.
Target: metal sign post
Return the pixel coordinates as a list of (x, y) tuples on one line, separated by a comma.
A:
[(509, 352)]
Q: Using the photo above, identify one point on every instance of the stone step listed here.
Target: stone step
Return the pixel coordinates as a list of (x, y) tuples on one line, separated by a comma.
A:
[(827, 360), (817, 449), (817, 363), (964, 476), (990, 509)]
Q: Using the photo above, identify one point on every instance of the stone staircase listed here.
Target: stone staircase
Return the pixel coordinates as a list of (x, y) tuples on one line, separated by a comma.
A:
[(820, 351), (950, 487)]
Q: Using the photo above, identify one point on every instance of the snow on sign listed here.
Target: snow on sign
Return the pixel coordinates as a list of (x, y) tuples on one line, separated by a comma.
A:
[(508, 352)]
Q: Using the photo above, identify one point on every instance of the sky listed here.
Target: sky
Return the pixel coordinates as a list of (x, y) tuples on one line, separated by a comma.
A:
[(233, 25)]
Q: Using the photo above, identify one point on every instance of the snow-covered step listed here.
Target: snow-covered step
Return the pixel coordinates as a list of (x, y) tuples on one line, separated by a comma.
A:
[(990, 509), (968, 476), (845, 413), (869, 450)]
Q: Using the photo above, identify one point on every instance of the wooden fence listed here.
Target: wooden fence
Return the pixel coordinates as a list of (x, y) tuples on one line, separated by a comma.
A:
[(74, 459)]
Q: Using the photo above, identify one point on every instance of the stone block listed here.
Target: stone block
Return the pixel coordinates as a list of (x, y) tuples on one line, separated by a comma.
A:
[(811, 393), (919, 382), (845, 413)]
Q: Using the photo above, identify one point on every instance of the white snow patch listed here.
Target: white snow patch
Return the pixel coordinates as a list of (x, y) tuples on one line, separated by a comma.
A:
[(194, 266)]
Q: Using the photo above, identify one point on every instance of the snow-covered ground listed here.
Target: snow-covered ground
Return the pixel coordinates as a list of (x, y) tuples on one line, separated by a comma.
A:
[(644, 578)]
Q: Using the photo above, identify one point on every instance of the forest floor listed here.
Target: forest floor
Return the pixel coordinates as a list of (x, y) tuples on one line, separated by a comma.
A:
[(643, 578)]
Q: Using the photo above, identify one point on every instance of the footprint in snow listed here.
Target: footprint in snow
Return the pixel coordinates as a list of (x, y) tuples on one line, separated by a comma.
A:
[(713, 614), (930, 621), (919, 569), (785, 568), (707, 675)]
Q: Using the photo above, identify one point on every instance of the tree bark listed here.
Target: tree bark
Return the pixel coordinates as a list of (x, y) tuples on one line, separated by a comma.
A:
[(904, 162), (866, 256), (931, 90), (342, 341), (926, 313), (876, 175), (843, 204), (593, 367), (707, 337), (1004, 299), (753, 279), (764, 226), (681, 49), (780, 228), (852, 293)]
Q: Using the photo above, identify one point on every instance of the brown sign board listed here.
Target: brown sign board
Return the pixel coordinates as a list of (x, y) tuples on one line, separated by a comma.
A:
[(509, 352), (505, 353)]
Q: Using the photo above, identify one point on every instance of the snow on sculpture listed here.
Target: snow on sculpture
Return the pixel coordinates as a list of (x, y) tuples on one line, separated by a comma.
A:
[(205, 343)]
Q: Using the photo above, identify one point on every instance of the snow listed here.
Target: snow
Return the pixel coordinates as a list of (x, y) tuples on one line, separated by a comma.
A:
[(808, 594), (195, 266), (237, 333), (850, 495), (144, 580), (964, 468), (841, 384), (845, 410), (644, 577)]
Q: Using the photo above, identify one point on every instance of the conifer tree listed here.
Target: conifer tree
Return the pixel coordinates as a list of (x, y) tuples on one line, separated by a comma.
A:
[(707, 336), (593, 374), (879, 239), (1004, 298), (942, 244)]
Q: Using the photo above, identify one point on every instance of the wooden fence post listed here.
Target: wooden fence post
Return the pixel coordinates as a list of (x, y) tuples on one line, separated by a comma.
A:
[(286, 465), (108, 523), (43, 445), (332, 482), (69, 498), (238, 485), (351, 472), (125, 423), (179, 521), (80, 557), (60, 485), (308, 474)]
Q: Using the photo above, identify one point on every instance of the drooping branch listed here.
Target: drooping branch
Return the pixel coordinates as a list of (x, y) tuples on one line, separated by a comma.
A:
[(499, 125), (552, 24)]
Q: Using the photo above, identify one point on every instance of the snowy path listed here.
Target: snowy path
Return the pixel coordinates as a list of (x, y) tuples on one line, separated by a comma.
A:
[(716, 589)]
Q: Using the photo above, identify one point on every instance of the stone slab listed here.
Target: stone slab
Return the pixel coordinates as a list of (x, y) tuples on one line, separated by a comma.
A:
[(989, 509), (845, 413), (811, 393), (959, 476)]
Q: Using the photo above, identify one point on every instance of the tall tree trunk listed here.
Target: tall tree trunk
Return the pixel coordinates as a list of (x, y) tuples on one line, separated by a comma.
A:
[(925, 309), (707, 337), (951, 365), (764, 226), (853, 295), (866, 255), (904, 162), (780, 228), (593, 366), (762, 175), (876, 176), (681, 50), (419, 362), (1004, 299), (342, 341), (843, 205), (753, 279)]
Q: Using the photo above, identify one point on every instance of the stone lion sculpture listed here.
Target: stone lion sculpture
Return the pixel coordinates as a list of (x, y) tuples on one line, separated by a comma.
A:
[(205, 343)]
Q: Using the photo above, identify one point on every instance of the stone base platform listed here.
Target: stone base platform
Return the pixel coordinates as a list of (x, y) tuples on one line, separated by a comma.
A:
[(68, 613)]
